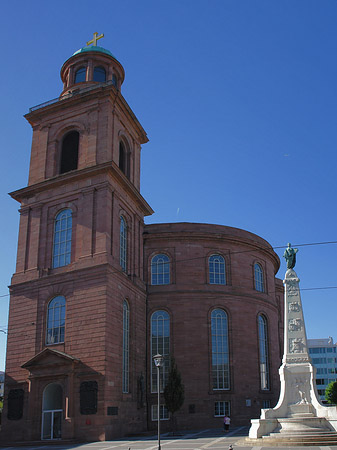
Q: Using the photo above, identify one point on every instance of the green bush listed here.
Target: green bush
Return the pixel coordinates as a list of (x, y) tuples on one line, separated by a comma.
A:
[(331, 393)]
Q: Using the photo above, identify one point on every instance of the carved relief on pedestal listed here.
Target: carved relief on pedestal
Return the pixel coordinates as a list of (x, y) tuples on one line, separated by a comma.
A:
[(295, 324), (299, 388), (292, 288), (292, 360), (296, 345), (294, 307)]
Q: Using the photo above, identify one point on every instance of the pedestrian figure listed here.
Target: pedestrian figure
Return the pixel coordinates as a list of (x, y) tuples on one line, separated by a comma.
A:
[(226, 423)]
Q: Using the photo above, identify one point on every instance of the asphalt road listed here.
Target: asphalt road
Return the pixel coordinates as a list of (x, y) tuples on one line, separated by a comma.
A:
[(214, 439)]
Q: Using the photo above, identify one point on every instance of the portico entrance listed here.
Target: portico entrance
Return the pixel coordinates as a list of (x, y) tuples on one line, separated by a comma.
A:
[(52, 412)]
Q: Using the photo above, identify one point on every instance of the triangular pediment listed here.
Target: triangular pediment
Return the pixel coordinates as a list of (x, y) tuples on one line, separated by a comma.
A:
[(49, 357)]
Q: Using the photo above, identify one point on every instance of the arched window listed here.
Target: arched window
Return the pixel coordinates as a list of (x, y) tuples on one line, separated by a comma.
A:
[(123, 244), (160, 269), (126, 330), (80, 74), (160, 343), (124, 159), (69, 152), (114, 80), (263, 352), (99, 74), (217, 271), (56, 315), (258, 278), (62, 238), (220, 350)]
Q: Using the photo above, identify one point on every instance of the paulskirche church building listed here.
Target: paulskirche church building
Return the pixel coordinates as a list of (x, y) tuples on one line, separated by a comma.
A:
[(96, 293)]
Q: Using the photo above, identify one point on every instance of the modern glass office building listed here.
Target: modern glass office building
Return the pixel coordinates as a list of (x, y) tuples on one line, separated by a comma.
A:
[(323, 353)]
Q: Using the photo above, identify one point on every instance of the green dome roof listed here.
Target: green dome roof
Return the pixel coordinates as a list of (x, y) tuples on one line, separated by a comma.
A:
[(94, 48)]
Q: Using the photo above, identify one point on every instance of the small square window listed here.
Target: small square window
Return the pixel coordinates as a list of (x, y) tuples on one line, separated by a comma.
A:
[(164, 414), (221, 409)]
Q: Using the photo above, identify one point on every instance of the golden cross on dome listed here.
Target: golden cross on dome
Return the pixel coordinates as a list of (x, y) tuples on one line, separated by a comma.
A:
[(95, 39)]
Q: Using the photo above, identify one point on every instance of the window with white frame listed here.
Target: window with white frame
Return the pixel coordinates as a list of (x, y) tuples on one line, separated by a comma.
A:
[(56, 315), (164, 412), (160, 344), (217, 269), (62, 238), (123, 244), (160, 269), (126, 331), (258, 278), (263, 353), (222, 409), (220, 350)]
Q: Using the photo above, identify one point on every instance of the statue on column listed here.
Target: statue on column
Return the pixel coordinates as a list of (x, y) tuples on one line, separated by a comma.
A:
[(290, 256)]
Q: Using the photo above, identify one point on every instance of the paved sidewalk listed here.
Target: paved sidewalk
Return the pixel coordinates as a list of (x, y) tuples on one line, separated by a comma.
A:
[(210, 439)]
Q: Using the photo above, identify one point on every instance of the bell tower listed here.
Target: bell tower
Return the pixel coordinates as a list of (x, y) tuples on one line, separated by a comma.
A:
[(76, 340)]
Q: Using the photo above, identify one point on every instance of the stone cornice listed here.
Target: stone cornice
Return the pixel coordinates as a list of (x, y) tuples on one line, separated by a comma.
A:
[(35, 116), (76, 175), (212, 233)]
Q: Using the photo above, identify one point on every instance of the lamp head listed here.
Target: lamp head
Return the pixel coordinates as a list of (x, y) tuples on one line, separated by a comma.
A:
[(158, 360)]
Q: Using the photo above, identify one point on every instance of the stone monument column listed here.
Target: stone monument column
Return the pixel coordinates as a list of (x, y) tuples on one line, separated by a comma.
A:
[(298, 407)]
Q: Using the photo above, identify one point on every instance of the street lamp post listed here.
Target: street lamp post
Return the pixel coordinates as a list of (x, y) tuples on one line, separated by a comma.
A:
[(158, 362)]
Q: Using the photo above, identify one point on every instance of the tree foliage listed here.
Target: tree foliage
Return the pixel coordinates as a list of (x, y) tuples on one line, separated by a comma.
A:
[(331, 393), (174, 392)]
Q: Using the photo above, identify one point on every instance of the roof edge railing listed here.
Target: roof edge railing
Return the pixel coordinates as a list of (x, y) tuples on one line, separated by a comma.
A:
[(71, 94)]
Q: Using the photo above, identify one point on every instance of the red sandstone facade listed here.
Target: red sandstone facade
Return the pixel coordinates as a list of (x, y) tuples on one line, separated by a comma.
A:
[(95, 381)]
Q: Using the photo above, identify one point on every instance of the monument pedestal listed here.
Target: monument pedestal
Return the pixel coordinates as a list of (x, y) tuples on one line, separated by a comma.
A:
[(298, 410)]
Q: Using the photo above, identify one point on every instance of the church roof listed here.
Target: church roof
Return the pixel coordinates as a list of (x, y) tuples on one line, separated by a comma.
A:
[(94, 48)]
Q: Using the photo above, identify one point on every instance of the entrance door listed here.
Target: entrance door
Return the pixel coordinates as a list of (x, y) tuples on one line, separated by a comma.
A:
[(51, 424), (52, 412)]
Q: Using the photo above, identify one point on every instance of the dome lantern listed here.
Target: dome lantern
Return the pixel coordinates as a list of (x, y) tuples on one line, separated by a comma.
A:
[(89, 66)]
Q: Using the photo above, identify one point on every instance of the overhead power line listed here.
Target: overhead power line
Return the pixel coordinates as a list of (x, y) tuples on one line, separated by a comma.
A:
[(248, 251)]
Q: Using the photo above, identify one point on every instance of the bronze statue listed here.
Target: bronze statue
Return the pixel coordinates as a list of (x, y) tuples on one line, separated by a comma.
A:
[(290, 256)]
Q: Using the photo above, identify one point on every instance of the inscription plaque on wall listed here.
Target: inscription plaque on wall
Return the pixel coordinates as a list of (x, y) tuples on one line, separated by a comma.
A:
[(88, 397), (15, 404)]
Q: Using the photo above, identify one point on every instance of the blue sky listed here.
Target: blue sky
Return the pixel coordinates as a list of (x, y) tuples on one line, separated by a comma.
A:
[(238, 98)]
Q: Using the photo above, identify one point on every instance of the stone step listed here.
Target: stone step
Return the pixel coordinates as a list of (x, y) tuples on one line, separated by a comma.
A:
[(303, 433), (285, 443), (302, 438)]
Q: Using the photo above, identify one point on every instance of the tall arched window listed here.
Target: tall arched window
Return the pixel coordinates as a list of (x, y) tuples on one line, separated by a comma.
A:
[(56, 315), (263, 352), (69, 152), (114, 80), (160, 343), (126, 331), (123, 244), (220, 350), (217, 270), (99, 74), (160, 269), (80, 75), (124, 159), (62, 238), (258, 278)]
